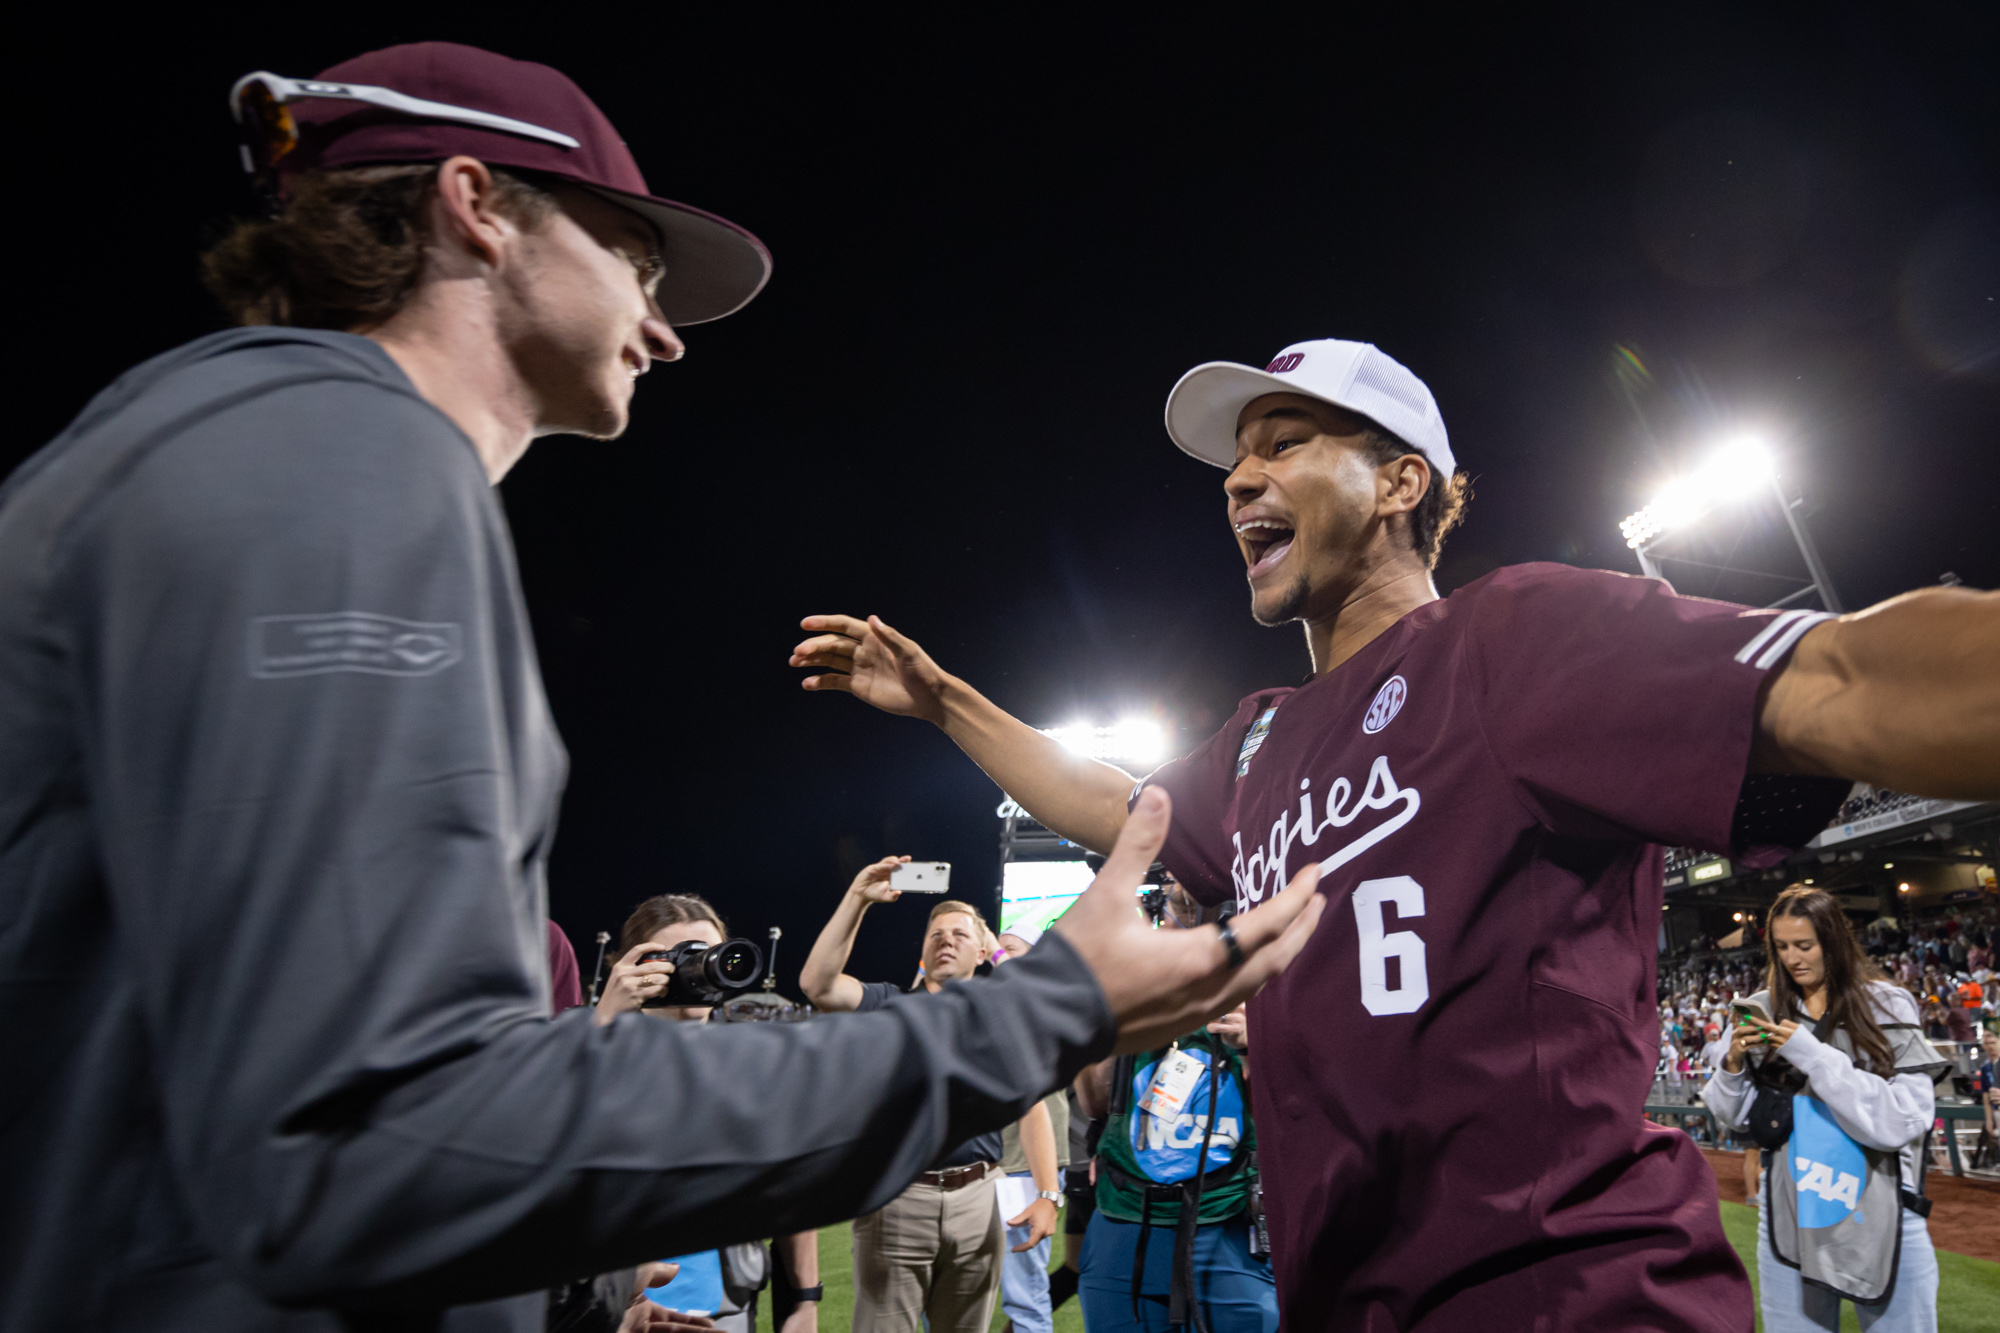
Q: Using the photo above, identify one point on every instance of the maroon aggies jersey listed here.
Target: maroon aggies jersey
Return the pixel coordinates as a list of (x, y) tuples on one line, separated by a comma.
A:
[(1449, 1080)]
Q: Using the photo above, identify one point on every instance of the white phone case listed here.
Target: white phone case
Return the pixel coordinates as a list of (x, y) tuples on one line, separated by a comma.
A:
[(921, 877)]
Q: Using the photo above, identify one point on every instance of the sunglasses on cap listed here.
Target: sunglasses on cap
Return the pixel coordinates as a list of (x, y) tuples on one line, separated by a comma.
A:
[(258, 100)]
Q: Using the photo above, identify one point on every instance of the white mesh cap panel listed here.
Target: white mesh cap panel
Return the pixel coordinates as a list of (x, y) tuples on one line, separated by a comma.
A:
[(1381, 375), (1404, 405)]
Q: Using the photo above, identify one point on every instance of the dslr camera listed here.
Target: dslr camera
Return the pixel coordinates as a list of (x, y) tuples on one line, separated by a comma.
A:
[(705, 974)]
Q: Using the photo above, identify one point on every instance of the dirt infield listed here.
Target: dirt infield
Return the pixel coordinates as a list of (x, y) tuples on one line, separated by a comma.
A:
[(1965, 1214)]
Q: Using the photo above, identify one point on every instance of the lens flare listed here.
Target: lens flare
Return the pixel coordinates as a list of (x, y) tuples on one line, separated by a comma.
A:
[(1738, 469), (1139, 740)]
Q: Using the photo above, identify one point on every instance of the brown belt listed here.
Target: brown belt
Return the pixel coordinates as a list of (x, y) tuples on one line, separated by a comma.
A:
[(958, 1177)]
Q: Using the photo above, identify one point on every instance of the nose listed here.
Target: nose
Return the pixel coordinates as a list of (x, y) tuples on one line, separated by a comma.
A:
[(1246, 480), (662, 343)]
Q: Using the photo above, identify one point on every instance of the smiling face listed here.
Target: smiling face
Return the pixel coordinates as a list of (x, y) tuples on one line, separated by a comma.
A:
[(1796, 946), (951, 947), (577, 315), (666, 937), (1312, 511)]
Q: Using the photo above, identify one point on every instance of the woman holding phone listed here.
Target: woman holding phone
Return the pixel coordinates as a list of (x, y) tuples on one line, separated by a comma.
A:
[(1830, 1074)]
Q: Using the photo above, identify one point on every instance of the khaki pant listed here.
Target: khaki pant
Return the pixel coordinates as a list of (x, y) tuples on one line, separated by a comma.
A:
[(929, 1252)]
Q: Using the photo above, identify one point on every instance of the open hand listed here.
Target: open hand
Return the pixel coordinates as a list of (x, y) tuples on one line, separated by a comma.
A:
[(1163, 984), (867, 659)]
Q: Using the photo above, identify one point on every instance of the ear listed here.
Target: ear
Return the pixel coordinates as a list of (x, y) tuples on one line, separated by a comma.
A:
[(1400, 484), (466, 196)]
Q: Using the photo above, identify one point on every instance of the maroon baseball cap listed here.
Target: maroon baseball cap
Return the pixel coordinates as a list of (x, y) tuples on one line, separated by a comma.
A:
[(713, 266)]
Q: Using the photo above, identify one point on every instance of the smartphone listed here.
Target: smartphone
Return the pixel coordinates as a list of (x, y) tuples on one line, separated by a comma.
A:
[(921, 877), (1743, 1009)]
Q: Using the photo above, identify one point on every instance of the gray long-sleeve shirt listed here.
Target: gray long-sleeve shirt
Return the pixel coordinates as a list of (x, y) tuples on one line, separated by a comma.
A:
[(277, 787), (1888, 1112)]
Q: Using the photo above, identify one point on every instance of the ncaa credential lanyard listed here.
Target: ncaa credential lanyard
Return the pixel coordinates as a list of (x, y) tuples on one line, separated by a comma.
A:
[(1173, 1082)]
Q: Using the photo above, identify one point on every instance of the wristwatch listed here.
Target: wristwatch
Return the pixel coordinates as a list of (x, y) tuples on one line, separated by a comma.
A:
[(799, 1295), (1053, 1196)]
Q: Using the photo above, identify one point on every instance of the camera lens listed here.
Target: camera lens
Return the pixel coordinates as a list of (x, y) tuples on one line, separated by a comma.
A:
[(734, 965), (706, 974)]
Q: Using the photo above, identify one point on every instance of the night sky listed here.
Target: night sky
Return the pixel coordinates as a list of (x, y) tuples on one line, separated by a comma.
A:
[(1604, 241)]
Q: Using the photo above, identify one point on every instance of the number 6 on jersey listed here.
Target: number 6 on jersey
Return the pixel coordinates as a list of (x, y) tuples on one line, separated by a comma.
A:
[(1378, 947)]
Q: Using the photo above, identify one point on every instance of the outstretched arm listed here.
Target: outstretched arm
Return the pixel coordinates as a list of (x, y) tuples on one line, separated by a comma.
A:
[(409, 1129), (1082, 799), (1904, 695), (822, 978)]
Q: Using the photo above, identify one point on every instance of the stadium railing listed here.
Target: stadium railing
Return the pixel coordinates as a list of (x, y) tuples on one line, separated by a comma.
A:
[(1954, 1114)]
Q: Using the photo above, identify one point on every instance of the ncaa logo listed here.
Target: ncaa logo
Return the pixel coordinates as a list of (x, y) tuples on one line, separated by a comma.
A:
[(1388, 703)]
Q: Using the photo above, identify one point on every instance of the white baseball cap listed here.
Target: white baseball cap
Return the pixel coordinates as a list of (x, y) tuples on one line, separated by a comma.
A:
[(1029, 935), (1202, 409)]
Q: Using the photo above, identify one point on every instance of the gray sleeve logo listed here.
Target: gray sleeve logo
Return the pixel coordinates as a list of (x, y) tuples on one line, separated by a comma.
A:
[(351, 641)]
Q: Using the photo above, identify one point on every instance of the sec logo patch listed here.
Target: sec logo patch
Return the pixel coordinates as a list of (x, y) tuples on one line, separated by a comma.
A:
[(1388, 703)]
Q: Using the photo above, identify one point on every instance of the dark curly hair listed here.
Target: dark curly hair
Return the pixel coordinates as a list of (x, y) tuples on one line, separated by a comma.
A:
[(345, 249), (1442, 507)]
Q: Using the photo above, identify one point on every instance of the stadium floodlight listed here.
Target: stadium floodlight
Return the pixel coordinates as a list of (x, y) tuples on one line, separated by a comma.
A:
[(1739, 469), (1140, 740), (1736, 471), (1041, 871)]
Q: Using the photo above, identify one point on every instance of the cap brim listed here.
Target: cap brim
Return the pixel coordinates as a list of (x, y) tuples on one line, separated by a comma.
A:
[(714, 266), (1203, 407)]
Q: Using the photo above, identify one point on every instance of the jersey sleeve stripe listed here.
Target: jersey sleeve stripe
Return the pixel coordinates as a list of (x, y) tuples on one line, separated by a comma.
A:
[(1774, 626), (1775, 653), (1786, 628)]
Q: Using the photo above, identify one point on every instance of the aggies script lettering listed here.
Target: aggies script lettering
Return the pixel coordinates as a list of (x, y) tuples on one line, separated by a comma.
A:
[(1266, 872)]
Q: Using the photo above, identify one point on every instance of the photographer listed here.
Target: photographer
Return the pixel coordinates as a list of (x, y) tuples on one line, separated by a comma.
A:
[(935, 1253), (279, 782), (662, 923)]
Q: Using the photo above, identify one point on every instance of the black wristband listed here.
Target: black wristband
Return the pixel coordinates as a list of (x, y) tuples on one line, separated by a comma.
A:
[(798, 1295), (1228, 938)]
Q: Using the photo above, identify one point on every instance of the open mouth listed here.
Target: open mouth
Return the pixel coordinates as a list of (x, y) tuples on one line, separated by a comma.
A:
[(1268, 540), (634, 366)]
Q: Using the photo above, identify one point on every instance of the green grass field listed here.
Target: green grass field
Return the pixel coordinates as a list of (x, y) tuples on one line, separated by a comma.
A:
[(1968, 1289)]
